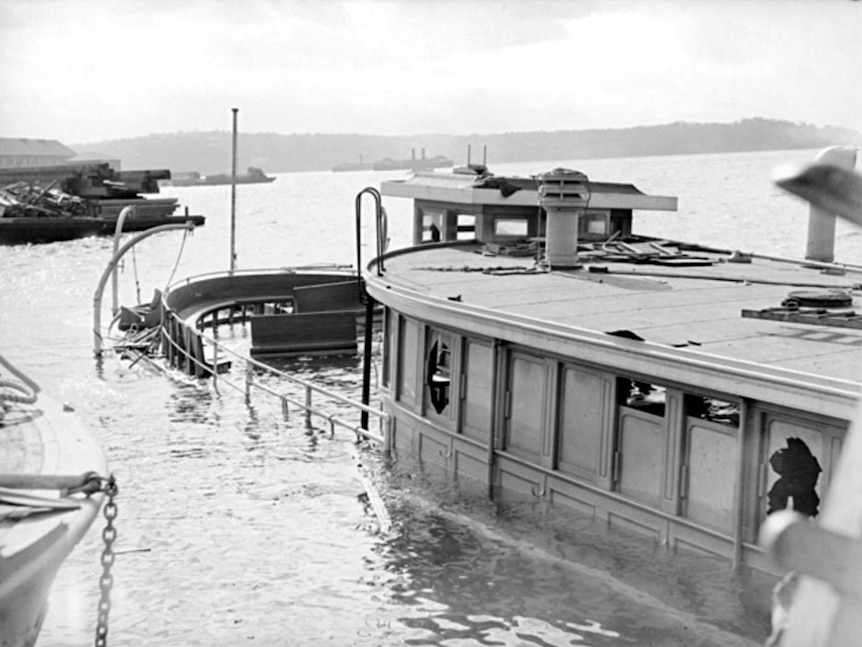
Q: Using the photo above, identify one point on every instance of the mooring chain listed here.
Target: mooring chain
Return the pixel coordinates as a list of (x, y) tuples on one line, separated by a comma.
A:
[(109, 535)]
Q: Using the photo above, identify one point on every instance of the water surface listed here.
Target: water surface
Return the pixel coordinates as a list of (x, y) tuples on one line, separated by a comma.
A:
[(240, 526)]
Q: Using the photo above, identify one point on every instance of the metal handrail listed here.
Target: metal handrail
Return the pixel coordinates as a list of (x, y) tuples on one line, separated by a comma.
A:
[(381, 226), (281, 270), (384, 418), (118, 254)]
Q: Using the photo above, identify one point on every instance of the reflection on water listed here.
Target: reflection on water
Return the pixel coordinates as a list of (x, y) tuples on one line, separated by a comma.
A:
[(238, 524)]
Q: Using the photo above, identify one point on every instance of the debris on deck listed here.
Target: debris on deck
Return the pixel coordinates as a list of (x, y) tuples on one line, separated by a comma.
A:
[(25, 200)]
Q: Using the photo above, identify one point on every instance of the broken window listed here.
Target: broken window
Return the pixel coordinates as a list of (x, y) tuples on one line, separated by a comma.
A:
[(439, 372), (798, 470), (712, 409), (642, 395)]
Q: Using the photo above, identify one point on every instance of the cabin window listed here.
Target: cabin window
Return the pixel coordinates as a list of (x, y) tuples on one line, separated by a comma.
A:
[(644, 396), (407, 361), (640, 440), (478, 390), (438, 373), (432, 225), (510, 227), (712, 409), (581, 422), (466, 226), (595, 224), (525, 402), (710, 471), (794, 455)]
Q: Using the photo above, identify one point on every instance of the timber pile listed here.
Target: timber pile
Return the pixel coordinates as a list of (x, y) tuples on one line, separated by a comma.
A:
[(92, 181), (101, 181), (26, 200)]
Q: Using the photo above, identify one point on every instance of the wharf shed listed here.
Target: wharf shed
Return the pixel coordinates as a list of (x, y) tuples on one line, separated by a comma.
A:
[(20, 152)]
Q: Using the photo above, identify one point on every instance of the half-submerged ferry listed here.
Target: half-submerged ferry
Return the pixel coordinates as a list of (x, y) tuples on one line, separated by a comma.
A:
[(647, 404), (652, 391)]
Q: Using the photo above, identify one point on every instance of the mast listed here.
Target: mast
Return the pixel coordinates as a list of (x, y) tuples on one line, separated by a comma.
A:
[(233, 198)]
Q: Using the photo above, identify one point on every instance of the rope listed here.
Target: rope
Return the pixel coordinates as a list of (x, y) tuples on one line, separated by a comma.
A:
[(179, 256), (27, 395), (88, 482), (25, 387), (18, 374), (137, 281)]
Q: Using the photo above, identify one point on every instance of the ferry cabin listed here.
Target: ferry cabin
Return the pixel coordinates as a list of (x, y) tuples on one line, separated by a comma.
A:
[(647, 385)]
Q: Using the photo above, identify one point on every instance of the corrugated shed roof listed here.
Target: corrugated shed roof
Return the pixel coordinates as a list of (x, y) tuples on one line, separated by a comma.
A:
[(10, 146)]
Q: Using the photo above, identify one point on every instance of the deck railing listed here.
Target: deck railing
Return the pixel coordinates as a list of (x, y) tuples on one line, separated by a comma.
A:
[(185, 345), (188, 348)]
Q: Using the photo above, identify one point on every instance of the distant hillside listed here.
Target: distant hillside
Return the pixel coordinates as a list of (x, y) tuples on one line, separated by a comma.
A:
[(210, 152)]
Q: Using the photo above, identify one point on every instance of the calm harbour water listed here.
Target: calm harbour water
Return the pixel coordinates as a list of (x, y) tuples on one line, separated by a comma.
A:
[(237, 526)]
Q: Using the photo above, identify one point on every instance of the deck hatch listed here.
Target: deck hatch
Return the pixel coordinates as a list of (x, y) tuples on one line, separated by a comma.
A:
[(822, 308)]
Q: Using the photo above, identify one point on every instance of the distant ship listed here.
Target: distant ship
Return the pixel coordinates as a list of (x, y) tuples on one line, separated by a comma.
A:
[(361, 165), (253, 176), (388, 164), (413, 164)]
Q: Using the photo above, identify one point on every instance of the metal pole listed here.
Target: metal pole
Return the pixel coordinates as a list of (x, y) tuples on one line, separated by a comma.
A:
[(366, 356), (233, 199), (118, 232)]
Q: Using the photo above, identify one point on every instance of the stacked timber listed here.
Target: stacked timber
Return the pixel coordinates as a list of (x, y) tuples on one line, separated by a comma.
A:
[(25, 200), (91, 181)]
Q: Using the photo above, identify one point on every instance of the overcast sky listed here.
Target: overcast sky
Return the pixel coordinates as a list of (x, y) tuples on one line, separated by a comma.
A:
[(84, 71)]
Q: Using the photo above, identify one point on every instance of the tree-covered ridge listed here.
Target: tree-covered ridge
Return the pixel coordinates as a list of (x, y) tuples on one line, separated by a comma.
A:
[(210, 152)]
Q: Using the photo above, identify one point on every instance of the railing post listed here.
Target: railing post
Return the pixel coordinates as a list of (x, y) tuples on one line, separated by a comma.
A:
[(215, 366), (366, 363), (386, 423), (308, 407), (249, 378), (187, 350)]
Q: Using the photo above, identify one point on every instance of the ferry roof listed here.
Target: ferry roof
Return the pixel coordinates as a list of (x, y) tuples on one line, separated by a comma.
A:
[(686, 313), (473, 189)]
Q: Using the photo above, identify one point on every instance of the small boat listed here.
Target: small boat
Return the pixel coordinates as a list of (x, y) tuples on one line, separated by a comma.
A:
[(52, 482), (253, 176), (20, 231)]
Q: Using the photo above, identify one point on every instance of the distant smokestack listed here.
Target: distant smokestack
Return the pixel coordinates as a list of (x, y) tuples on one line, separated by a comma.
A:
[(413, 154), (423, 153)]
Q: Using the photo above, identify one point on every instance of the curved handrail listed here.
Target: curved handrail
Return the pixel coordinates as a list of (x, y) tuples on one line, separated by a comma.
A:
[(323, 267), (381, 226), (100, 288), (118, 232), (379, 217)]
